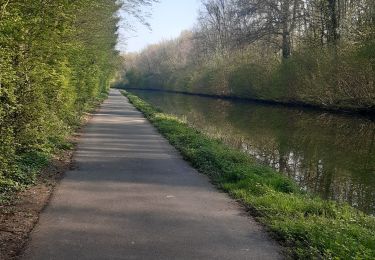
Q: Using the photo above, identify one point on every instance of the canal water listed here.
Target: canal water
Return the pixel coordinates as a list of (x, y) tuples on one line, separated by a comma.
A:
[(328, 154)]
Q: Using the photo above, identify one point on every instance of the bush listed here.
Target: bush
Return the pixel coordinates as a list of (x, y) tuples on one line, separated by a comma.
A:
[(51, 72), (340, 78)]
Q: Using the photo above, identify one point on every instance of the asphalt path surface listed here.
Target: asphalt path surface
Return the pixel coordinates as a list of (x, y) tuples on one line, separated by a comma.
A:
[(132, 196)]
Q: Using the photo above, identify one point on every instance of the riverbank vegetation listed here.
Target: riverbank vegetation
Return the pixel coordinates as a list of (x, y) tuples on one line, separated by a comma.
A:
[(307, 225), (57, 59), (327, 154), (318, 52)]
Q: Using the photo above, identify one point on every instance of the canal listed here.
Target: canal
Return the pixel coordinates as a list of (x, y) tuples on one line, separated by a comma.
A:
[(331, 155)]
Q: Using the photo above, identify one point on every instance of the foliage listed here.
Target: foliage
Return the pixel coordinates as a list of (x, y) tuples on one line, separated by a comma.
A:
[(309, 226), (258, 49), (56, 58)]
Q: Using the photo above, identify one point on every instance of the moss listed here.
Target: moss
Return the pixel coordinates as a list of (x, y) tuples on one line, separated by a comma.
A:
[(307, 225)]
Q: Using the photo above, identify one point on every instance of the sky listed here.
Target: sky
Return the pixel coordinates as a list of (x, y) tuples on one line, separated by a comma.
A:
[(168, 19)]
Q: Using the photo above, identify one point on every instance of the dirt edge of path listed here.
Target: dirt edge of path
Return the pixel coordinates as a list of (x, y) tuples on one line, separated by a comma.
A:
[(18, 218)]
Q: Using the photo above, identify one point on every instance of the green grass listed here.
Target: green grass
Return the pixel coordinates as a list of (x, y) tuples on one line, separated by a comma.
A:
[(306, 225), (24, 173)]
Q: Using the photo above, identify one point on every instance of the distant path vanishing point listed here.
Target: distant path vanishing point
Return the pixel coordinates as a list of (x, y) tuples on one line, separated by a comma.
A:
[(132, 196)]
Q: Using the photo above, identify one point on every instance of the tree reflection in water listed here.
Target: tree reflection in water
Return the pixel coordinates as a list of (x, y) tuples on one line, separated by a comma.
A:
[(327, 154)]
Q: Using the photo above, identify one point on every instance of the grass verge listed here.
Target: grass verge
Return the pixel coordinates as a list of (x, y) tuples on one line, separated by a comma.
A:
[(308, 226)]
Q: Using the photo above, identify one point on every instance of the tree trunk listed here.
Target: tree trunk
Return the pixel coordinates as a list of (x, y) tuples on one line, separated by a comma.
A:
[(285, 27), (333, 35)]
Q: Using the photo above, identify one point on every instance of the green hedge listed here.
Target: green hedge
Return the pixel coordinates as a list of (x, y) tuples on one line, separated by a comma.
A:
[(56, 59)]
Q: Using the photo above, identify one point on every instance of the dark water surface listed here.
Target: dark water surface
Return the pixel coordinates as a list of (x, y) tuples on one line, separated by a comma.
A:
[(328, 154)]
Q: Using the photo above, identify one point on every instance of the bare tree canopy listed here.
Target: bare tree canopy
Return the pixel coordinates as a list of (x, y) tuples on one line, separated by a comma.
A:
[(319, 52)]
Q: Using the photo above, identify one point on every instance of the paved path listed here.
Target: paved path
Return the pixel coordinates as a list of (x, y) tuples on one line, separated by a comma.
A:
[(133, 197)]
